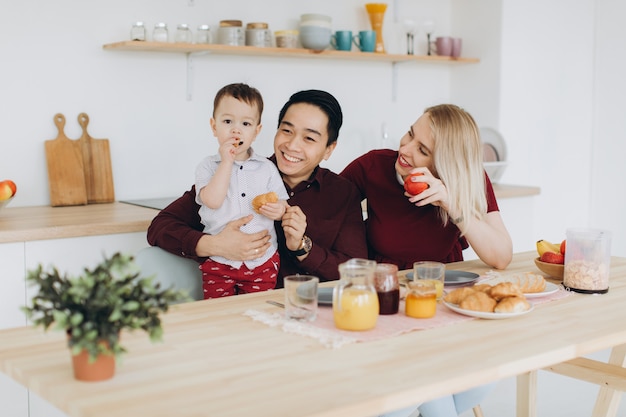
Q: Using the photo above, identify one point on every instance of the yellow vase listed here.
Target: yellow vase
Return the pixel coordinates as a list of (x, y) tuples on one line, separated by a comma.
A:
[(376, 13)]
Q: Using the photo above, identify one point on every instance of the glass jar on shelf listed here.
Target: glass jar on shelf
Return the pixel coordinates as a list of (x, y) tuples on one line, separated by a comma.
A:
[(203, 34), (138, 32), (160, 33), (183, 34)]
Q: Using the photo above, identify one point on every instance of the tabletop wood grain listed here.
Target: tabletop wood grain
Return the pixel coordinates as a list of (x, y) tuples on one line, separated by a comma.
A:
[(214, 361)]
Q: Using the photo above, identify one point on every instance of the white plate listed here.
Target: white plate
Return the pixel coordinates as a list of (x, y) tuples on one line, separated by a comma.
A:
[(454, 277), (550, 288), (485, 315), (494, 138)]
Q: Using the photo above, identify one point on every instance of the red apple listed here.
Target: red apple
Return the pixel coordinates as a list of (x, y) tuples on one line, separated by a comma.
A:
[(7, 189), (552, 258), (414, 188)]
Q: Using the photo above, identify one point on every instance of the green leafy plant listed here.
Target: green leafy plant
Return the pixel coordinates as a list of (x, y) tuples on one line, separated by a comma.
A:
[(97, 305)]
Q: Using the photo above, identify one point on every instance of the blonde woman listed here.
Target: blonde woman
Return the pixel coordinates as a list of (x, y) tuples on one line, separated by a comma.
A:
[(458, 207)]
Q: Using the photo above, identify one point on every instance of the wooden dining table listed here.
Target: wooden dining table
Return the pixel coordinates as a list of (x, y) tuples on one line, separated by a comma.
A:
[(216, 361)]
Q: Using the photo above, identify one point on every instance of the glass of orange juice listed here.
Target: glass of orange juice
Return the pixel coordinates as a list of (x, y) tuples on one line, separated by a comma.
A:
[(431, 271), (421, 299)]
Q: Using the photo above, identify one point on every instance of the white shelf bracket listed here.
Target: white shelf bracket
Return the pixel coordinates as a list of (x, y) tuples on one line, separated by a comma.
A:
[(394, 82), (394, 79), (189, 76), (190, 55), (395, 11)]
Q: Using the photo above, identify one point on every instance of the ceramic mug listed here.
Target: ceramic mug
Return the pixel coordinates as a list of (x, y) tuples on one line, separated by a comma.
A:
[(457, 43), (342, 40), (365, 40), (443, 46)]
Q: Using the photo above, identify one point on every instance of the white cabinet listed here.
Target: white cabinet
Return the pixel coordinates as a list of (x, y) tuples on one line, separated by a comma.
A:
[(73, 254), (13, 396), (12, 295), (69, 255)]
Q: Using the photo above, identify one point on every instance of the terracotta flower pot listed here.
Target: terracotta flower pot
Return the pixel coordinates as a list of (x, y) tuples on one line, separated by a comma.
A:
[(101, 369)]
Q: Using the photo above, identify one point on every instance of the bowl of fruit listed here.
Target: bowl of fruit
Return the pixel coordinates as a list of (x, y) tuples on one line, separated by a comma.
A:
[(551, 259), (7, 191)]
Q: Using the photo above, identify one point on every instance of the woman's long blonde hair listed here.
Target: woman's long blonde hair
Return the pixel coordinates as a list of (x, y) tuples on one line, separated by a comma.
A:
[(458, 160)]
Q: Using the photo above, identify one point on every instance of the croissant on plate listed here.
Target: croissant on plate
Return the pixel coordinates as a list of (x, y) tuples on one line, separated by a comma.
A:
[(504, 297)]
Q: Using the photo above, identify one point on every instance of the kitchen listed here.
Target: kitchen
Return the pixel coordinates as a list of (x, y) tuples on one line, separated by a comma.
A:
[(550, 84)]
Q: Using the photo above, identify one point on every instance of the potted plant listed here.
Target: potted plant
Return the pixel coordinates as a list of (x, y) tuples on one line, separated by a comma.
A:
[(94, 307)]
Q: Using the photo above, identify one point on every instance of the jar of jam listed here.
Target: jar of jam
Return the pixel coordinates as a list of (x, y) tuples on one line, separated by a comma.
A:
[(421, 299), (387, 288)]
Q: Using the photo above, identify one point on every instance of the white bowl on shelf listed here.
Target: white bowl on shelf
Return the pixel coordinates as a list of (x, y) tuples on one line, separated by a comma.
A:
[(494, 153)]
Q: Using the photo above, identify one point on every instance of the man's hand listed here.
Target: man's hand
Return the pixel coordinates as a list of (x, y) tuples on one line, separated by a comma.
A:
[(232, 243), (294, 226)]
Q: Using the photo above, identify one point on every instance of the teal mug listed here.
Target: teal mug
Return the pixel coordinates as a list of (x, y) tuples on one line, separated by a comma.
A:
[(365, 40), (342, 40)]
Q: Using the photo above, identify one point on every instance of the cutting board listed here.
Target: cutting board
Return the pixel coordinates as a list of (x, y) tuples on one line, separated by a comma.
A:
[(66, 177), (97, 165)]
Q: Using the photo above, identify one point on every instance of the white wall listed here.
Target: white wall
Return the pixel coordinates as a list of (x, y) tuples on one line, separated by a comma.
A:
[(561, 97), (607, 179), (550, 79), (54, 62), (546, 107)]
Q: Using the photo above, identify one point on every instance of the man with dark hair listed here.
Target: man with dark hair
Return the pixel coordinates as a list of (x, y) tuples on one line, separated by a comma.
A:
[(323, 225)]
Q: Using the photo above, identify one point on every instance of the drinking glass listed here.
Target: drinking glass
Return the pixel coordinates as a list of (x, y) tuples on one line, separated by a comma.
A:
[(301, 297), (429, 28), (434, 272)]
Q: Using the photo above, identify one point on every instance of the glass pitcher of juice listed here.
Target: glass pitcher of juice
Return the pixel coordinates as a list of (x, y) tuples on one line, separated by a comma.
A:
[(355, 301)]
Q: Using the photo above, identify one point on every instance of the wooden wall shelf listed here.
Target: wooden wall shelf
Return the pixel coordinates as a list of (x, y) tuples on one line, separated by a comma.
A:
[(280, 52)]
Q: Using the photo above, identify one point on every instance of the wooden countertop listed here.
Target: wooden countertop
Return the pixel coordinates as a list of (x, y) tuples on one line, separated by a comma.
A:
[(513, 191), (215, 361), (21, 224)]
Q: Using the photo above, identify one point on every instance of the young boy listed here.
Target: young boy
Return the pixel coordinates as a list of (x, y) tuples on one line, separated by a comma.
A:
[(227, 183)]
